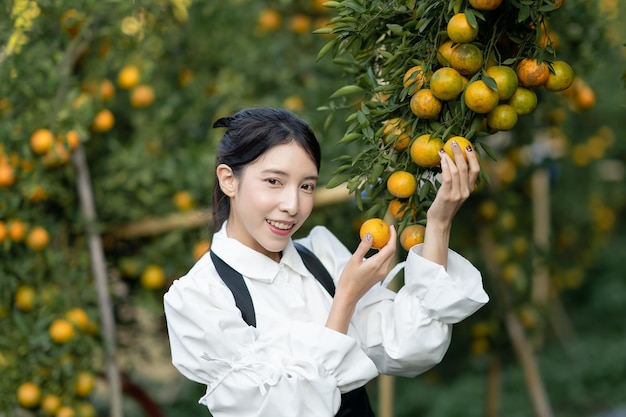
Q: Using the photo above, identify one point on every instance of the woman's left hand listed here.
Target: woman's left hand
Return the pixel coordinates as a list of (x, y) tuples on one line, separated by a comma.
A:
[(458, 180)]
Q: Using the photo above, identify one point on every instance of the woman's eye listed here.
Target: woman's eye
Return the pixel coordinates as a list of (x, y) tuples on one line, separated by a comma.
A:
[(273, 181), (308, 187)]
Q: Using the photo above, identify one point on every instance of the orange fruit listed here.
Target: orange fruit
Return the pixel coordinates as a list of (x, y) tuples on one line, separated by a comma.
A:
[(414, 78), (459, 29), (142, 96), (466, 58), (401, 184), (153, 277), (17, 230), (394, 132), (4, 232), (559, 3), (524, 101), (7, 175), (38, 238), (25, 297), (107, 89), (506, 80), (201, 248), (300, 23), (28, 395), (480, 98), (425, 151), (78, 317), (128, 77), (269, 20), (65, 411), (485, 4), (72, 139), (443, 53), (185, 76), (425, 105), (103, 121), (412, 235), (446, 83), (378, 229), (531, 73), (397, 208), (61, 331), (561, 78), (502, 117), (41, 141), (58, 155), (584, 96), (84, 384), (183, 200), (294, 103), (462, 142), (50, 404)]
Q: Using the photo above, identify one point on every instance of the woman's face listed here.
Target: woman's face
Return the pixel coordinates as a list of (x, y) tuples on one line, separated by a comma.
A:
[(272, 198)]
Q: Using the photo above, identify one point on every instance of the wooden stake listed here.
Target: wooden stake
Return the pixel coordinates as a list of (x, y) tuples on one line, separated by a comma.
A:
[(98, 267)]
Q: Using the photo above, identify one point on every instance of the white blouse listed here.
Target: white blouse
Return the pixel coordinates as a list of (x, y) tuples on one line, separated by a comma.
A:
[(290, 364)]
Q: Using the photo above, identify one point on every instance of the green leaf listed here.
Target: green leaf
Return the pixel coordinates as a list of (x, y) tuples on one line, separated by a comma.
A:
[(488, 151), (490, 82), (395, 28), (424, 190), (325, 49), (347, 90), (350, 137), (338, 180)]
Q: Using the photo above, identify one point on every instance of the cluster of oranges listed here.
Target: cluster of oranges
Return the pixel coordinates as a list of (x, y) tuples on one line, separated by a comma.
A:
[(17, 231), (475, 81)]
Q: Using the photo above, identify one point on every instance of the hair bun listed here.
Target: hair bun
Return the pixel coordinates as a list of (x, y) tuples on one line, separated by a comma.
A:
[(225, 121)]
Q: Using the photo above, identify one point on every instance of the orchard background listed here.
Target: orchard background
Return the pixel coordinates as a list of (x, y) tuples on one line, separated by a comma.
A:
[(111, 103)]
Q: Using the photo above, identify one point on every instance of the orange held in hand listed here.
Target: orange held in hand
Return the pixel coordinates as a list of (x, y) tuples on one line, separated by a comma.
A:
[(412, 235), (378, 229)]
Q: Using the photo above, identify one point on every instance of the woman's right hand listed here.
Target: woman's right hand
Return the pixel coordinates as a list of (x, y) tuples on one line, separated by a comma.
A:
[(359, 275)]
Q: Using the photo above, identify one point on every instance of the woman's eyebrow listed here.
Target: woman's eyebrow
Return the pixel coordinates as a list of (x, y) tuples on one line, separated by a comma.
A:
[(285, 174)]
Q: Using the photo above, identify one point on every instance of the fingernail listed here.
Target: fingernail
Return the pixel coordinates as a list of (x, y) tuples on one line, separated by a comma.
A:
[(455, 144), (468, 148), (368, 236), (441, 151)]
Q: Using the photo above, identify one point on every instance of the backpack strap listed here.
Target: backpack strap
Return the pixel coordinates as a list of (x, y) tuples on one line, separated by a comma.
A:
[(235, 283), (315, 267)]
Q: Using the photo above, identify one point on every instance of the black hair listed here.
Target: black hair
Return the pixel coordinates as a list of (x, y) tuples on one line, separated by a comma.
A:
[(250, 134)]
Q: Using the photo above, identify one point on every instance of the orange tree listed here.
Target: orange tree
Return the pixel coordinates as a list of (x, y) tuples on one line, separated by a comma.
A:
[(514, 78), (134, 87)]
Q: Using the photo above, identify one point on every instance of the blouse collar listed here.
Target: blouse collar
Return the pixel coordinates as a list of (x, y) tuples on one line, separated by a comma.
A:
[(253, 264)]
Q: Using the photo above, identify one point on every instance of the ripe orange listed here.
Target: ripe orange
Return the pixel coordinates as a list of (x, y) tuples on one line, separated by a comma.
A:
[(459, 29), (414, 79), (394, 132), (57, 156), (142, 96), (485, 4), (378, 229), (7, 175), (584, 96), (462, 142), (506, 80), (480, 98), (300, 23), (65, 411), (78, 317), (17, 230), (61, 331), (524, 101), (107, 89), (84, 383), (446, 83), (38, 238), (562, 78), (531, 73), (153, 277), (401, 184), (397, 208), (28, 395), (443, 53), (269, 20), (425, 151), (25, 297), (412, 235), (425, 105), (183, 200), (201, 248), (72, 139), (103, 121), (50, 404), (466, 58), (502, 117), (41, 141), (128, 77)]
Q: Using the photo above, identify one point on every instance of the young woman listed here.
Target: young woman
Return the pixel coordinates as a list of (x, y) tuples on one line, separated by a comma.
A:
[(281, 344)]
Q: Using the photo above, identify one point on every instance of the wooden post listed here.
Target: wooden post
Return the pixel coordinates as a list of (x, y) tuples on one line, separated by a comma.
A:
[(98, 267), (541, 235)]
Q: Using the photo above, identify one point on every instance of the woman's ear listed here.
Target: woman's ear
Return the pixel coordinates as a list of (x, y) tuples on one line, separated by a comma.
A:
[(226, 179)]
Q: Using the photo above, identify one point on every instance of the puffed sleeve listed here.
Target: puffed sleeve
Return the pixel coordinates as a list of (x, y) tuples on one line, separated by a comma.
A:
[(408, 332), (287, 371)]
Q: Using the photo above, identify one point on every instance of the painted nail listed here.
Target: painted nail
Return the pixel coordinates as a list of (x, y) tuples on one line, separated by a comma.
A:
[(455, 144), (368, 236), (441, 151), (468, 148)]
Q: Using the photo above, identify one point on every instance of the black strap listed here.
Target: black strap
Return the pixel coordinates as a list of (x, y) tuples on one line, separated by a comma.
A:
[(234, 281), (355, 403)]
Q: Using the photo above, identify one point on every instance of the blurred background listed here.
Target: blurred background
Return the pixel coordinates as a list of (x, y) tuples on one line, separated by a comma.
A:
[(112, 103)]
